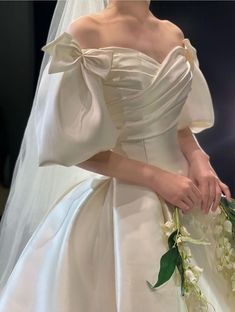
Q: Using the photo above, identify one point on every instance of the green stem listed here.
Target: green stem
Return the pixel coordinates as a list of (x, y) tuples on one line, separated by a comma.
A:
[(176, 217)]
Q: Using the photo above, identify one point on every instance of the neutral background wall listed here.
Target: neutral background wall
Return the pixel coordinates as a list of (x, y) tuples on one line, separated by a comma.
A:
[(210, 26)]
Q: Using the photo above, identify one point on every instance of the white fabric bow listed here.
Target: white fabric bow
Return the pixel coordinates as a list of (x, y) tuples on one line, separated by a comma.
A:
[(67, 54)]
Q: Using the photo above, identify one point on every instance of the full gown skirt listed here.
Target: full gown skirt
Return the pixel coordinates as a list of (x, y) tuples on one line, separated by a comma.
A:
[(97, 246)]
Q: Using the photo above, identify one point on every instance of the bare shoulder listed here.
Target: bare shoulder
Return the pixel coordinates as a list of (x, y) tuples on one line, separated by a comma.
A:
[(174, 28), (85, 30)]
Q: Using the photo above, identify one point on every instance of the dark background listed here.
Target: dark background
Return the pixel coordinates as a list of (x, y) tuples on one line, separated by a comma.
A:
[(210, 26)]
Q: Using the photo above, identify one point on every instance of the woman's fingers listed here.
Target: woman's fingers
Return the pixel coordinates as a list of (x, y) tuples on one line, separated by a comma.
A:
[(192, 198), (207, 195), (225, 190), (196, 195), (212, 193), (189, 202), (183, 207), (204, 189), (217, 198)]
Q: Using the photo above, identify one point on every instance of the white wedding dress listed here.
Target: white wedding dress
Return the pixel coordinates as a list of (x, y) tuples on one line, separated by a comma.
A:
[(102, 240)]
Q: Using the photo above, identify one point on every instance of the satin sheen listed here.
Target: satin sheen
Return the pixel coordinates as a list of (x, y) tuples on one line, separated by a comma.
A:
[(101, 241)]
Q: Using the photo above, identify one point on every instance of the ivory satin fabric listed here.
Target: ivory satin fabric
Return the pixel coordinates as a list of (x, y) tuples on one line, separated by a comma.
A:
[(95, 249)]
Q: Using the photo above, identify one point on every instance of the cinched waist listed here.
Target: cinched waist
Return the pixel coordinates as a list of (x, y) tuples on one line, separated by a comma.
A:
[(162, 151)]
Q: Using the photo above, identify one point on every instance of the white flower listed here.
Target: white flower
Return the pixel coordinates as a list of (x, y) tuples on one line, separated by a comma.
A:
[(190, 276), (184, 231), (232, 252), (218, 229), (221, 217), (228, 226), (227, 245), (168, 228), (169, 225), (227, 259), (187, 251), (219, 267), (229, 266), (196, 269), (179, 240)]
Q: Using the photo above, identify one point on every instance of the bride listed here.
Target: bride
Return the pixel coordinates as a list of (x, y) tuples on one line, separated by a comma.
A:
[(108, 151), (131, 24)]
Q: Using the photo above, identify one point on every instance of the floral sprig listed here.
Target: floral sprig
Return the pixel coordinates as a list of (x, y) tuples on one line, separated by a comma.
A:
[(224, 233), (179, 256)]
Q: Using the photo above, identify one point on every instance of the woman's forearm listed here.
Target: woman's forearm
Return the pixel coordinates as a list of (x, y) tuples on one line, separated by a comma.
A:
[(111, 164), (190, 146), (176, 189)]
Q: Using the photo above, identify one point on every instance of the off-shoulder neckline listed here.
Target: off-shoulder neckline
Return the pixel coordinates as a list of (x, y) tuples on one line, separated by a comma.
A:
[(131, 49)]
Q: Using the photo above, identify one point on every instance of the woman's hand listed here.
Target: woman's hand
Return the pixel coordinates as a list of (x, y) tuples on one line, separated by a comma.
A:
[(201, 171), (207, 181), (177, 189)]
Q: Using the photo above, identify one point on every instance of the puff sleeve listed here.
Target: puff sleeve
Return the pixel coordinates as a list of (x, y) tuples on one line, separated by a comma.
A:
[(197, 112), (72, 120)]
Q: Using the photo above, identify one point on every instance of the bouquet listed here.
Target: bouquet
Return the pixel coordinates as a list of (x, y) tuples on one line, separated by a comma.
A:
[(179, 258), (224, 232)]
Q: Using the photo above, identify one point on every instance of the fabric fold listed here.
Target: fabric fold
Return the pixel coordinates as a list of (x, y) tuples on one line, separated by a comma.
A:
[(197, 112), (72, 120)]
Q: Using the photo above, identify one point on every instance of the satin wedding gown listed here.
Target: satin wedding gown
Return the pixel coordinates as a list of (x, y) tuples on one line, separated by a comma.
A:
[(95, 249)]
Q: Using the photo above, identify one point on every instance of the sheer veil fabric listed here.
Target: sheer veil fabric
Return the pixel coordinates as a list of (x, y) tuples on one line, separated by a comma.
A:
[(34, 189)]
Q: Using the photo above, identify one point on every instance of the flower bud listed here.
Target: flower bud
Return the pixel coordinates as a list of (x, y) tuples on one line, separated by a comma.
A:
[(190, 276), (228, 226)]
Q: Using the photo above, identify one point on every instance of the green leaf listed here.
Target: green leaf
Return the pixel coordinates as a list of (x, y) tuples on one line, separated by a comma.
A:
[(229, 209), (167, 266), (225, 202), (181, 271), (171, 239), (228, 206)]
